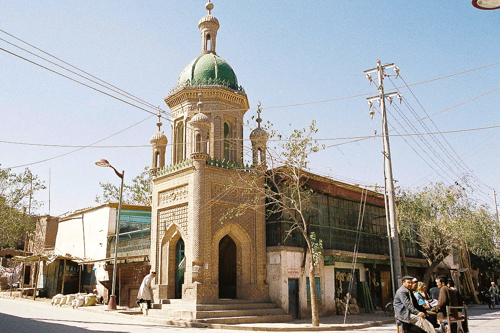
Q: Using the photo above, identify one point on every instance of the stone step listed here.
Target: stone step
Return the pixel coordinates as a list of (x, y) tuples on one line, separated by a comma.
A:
[(248, 319), (234, 306), (238, 313)]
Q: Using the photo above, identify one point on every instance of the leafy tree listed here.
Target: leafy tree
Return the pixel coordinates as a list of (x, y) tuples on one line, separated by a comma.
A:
[(139, 193), (440, 218), (283, 190), (17, 205)]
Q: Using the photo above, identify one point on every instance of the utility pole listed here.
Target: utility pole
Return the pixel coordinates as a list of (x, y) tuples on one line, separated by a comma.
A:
[(389, 181)]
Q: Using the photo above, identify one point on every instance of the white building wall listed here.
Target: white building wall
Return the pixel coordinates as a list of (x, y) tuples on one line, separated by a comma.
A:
[(284, 264), (91, 227)]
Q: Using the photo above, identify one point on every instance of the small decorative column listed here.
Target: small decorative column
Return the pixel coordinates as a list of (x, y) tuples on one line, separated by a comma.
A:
[(200, 125), (259, 137)]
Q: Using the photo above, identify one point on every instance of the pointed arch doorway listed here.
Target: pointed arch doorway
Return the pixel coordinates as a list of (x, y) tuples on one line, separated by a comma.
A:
[(179, 267), (227, 268)]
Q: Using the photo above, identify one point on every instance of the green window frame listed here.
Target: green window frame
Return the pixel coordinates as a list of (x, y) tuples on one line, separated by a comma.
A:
[(318, 291)]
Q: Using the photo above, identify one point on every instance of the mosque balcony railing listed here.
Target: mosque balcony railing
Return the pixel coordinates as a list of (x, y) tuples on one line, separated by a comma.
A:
[(222, 163), (206, 83), (174, 167)]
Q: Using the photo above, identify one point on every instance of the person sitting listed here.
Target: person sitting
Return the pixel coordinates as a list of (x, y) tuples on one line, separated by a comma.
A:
[(451, 285), (422, 304), (405, 311), (434, 292), (420, 295), (447, 297)]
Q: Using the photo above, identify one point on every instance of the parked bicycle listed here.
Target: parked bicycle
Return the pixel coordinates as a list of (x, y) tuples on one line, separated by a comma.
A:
[(389, 309)]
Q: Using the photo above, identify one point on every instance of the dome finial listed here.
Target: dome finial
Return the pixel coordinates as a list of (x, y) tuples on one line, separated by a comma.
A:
[(259, 110), (209, 6), (159, 123)]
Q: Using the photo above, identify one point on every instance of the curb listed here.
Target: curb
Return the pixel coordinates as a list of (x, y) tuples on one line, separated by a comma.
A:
[(239, 327)]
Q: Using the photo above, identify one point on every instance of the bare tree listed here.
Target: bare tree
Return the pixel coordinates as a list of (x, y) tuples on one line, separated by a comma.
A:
[(282, 191)]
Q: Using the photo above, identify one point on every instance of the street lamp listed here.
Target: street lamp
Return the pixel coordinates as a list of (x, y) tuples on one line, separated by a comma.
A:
[(112, 298), (486, 4)]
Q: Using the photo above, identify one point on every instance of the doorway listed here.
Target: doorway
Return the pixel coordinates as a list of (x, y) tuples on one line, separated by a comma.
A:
[(227, 268), (293, 297), (180, 267)]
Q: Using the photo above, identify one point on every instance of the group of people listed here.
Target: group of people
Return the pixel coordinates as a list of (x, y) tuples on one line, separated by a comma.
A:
[(412, 306)]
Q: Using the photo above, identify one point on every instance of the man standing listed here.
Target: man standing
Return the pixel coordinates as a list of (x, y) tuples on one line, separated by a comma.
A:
[(405, 311), (494, 293), (146, 292)]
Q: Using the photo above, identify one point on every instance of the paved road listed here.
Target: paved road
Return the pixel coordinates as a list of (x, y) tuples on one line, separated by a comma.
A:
[(24, 316)]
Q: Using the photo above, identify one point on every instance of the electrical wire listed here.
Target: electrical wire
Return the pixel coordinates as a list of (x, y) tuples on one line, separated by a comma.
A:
[(74, 151), (135, 99), (274, 140), (460, 163), (84, 84), (64, 62)]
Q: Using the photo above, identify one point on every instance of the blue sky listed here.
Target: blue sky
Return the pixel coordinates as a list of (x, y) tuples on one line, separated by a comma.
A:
[(284, 53)]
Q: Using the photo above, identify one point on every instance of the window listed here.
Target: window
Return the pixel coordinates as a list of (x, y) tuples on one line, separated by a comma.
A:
[(199, 147), (179, 143), (227, 141), (318, 290)]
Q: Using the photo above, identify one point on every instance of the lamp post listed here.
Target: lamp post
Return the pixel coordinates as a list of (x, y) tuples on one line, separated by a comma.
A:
[(486, 4), (112, 298)]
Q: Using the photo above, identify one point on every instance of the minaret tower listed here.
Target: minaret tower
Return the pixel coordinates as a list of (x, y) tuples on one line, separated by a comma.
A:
[(259, 137), (159, 143), (208, 26)]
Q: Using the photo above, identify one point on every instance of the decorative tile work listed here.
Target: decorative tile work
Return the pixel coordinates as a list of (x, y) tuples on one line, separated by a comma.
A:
[(166, 217), (176, 194)]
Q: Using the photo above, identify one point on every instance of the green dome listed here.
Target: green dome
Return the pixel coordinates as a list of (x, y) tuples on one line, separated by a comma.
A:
[(208, 69)]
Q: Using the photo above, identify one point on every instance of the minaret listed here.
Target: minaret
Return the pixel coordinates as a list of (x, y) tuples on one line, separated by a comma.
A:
[(208, 26), (259, 137), (159, 143)]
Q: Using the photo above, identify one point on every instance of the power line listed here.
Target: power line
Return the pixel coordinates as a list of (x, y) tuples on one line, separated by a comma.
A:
[(84, 84), (64, 62), (275, 140), (136, 99), (74, 151)]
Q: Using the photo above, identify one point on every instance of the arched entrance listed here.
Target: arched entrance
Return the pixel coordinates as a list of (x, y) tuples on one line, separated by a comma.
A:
[(179, 267), (227, 268)]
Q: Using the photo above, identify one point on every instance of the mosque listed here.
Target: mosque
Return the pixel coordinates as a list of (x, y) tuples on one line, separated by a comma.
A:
[(201, 260)]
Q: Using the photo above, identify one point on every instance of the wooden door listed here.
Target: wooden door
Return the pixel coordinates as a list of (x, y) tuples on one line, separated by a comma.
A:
[(385, 286)]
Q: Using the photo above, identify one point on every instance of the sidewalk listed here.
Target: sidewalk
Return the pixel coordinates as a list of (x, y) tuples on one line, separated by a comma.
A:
[(329, 323)]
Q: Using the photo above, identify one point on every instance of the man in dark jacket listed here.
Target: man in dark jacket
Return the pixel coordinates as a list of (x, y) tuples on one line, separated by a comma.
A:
[(405, 311), (447, 297)]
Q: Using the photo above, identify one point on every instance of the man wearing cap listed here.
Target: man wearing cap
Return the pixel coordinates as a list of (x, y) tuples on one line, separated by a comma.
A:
[(146, 292), (405, 311)]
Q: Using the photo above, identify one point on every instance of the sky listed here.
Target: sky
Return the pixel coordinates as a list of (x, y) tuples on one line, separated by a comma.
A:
[(302, 61)]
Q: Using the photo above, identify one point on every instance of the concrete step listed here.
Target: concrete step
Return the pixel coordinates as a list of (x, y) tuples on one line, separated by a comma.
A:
[(238, 313), (234, 306), (248, 319)]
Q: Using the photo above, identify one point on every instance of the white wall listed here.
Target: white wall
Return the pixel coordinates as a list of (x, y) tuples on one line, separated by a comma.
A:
[(92, 226), (284, 264)]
